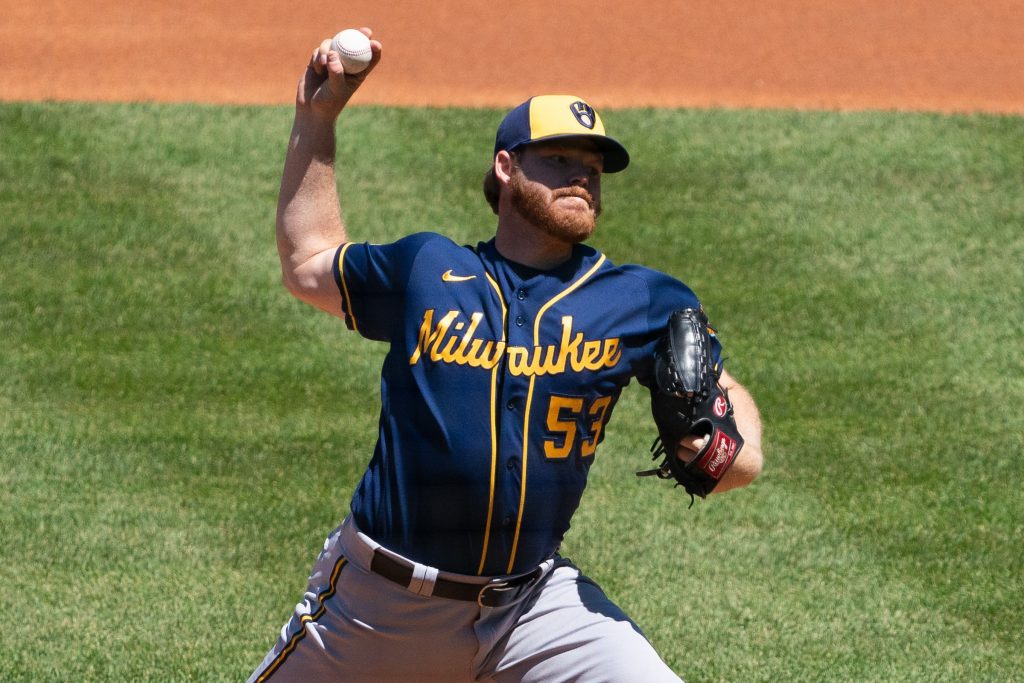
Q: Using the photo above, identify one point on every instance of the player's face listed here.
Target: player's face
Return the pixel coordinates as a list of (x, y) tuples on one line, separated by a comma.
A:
[(557, 187)]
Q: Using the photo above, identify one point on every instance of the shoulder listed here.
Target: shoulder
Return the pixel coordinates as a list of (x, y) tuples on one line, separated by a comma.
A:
[(406, 250), (663, 292), (433, 251), (434, 245), (419, 241)]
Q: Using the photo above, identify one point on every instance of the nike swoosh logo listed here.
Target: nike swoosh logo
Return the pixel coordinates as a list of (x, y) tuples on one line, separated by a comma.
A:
[(448, 277)]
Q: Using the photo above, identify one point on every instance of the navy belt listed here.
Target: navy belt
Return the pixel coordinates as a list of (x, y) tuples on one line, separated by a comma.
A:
[(494, 593)]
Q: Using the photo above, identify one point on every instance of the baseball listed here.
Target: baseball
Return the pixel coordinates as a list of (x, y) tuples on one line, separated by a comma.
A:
[(354, 49)]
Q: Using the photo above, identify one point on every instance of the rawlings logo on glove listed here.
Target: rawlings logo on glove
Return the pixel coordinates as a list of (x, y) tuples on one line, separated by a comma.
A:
[(686, 400), (719, 455)]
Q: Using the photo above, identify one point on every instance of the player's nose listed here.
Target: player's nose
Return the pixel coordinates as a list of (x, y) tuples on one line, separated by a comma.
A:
[(580, 177)]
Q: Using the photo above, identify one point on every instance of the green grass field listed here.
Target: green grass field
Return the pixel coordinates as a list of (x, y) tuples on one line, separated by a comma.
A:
[(177, 435)]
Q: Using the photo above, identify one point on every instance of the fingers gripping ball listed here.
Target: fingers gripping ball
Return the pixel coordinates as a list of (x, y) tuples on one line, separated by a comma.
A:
[(354, 49), (687, 400)]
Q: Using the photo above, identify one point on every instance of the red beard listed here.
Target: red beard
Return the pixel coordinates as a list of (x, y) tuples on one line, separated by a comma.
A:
[(539, 208)]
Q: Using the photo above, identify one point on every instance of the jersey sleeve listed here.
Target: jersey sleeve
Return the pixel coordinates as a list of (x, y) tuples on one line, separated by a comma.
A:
[(372, 279), (666, 294)]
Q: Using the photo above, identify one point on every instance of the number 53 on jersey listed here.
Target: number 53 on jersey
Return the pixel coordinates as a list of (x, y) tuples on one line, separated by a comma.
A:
[(565, 416)]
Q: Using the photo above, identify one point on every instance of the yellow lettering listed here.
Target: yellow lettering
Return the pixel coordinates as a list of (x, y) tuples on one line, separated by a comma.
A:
[(516, 356), (569, 349), (565, 426), (612, 353), (524, 361), (427, 336), (591, 351), (598, 411), (550, 366), (468, 337), (446, 342), (447, 354), (439, 334), (488, 358)]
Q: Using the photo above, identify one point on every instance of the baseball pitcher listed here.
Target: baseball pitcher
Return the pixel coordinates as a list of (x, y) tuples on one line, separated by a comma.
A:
[(504, 365)]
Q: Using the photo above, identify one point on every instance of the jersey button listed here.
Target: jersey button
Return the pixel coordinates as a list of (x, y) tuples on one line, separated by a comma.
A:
[(508, 521), (511, 464), (521, 294), (511, 405), (520, 321)]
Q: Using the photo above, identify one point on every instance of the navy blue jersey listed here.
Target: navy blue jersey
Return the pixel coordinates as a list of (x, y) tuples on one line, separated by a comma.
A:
[(495, 392)]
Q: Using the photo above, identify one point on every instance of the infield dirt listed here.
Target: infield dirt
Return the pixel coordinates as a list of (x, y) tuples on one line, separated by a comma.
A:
[(941, 55)]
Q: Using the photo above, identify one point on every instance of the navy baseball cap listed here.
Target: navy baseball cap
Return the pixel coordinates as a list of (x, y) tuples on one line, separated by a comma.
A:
[(550, 117)]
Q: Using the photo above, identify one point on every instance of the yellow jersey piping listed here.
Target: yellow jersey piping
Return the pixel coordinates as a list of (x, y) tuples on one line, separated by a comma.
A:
[(529, 401)]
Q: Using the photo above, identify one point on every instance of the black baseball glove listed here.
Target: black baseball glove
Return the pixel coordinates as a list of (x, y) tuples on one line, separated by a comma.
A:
[(687, 400)]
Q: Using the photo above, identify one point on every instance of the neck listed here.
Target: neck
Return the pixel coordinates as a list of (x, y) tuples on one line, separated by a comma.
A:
[(518, 240)]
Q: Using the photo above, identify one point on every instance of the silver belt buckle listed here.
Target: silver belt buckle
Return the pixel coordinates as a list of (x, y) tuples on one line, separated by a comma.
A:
[(523, 583), (496, 585)]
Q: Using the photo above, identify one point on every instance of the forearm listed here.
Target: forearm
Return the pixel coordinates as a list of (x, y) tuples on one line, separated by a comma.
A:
[(750, 460), (309, 219), (309, 223)]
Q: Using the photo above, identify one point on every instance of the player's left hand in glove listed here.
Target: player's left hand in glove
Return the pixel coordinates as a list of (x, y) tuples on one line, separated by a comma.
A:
[(688, 401)]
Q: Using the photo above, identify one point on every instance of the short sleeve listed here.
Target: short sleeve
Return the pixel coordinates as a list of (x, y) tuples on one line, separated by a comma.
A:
[(666, 294), (372, 279)]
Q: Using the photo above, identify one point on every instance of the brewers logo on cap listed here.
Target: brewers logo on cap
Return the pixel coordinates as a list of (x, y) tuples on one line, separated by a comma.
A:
[(584, 113), (549, 117)]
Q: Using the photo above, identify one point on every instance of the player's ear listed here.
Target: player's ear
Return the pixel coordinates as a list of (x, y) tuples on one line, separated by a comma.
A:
[(503, 165)]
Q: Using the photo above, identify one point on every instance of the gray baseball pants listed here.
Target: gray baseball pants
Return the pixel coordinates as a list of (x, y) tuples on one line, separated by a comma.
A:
[(355, 625)]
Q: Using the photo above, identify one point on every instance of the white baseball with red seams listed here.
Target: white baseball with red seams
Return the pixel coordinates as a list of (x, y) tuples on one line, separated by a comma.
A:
[(354, 49)]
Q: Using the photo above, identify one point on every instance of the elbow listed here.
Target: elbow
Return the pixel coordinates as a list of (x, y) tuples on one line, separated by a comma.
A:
[(751, 465), (294, 279), (291, 283), (299, 286)]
